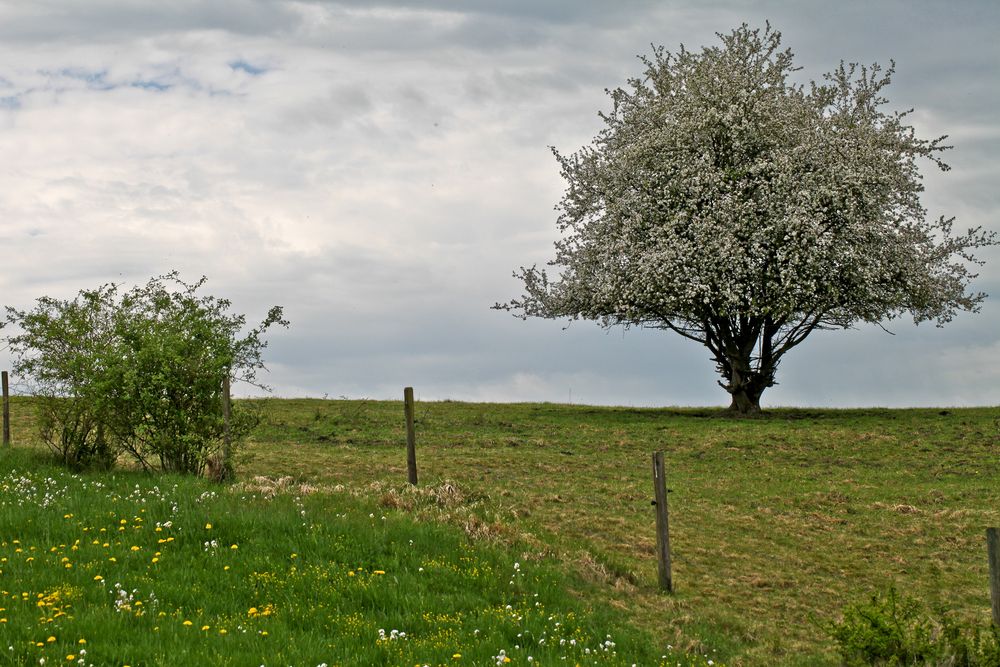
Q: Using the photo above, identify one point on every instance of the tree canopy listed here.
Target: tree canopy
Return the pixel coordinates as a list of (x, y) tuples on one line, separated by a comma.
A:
[(742, 210)]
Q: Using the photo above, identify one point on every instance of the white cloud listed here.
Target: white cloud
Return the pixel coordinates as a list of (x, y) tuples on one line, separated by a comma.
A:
[(381, 169)]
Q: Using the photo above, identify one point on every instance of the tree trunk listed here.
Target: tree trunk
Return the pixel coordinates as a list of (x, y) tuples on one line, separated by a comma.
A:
[(745, 403), (745, 386)]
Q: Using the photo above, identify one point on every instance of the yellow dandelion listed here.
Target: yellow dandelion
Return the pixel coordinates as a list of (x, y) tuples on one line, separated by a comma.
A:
[(135, 548), (188, 623), (379, 572), (71, 657), (82, 641), (235, 546), (205, 627), (208, 526), (457, 656), (50, 639), (223, 631), (98, 578)]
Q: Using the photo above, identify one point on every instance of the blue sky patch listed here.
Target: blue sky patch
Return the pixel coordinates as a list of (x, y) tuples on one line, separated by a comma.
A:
[(244, 66), (96, 79), (155, 86)]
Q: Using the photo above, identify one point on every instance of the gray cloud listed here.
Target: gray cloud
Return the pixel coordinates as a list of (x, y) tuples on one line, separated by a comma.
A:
[(380, 169)]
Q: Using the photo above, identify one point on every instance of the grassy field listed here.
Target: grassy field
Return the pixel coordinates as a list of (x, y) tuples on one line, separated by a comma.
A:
[(127, 569), (776, 523)]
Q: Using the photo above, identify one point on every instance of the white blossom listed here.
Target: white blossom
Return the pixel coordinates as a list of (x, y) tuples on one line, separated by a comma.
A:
[(729, 204)]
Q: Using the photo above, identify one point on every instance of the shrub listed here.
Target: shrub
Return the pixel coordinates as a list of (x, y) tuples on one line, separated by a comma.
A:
[(63, 353), (892, 630), (138, 373)]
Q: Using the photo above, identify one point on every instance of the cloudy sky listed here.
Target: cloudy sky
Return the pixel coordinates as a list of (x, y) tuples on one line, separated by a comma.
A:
[(380, 168)]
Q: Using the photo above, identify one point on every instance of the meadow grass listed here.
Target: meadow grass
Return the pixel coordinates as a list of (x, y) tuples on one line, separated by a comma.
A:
[(776, 523), (130, 569)]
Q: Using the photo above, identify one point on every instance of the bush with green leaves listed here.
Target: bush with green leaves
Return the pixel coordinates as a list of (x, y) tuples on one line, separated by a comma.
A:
[(893, 630), (138, 372)]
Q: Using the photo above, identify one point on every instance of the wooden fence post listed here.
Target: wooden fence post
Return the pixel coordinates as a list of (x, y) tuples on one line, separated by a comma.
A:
[(411, 436), (993, 551), (6, 409), (227, 437), (662, 523)]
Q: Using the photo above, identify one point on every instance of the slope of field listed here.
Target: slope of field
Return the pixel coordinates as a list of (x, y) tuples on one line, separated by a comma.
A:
[(129, 569), (776, 523)]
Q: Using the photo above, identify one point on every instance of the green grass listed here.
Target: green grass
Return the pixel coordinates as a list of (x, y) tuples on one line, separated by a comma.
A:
[(776, 523), (128, 569)]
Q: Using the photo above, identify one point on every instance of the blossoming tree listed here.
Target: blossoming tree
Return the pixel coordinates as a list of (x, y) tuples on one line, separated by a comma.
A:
[(726, 203)]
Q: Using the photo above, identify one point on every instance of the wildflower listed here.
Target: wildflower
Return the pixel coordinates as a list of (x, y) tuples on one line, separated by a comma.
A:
[(98, 578), (457, 656), (71, 657), (205, 627), (208, 526), (135, 548), (188, 623), (50, 639)]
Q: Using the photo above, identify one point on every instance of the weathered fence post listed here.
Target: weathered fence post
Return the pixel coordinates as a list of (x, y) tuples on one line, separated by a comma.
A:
[(227, 436), (411, 436), (6, 409), (993, 551), (662, 523)]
